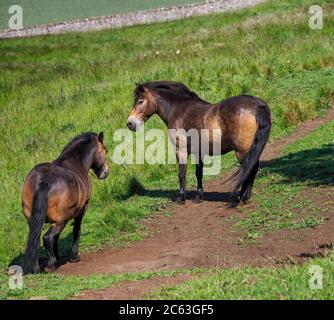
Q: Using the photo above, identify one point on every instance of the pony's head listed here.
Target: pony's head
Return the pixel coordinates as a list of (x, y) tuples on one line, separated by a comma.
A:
[(144, 106), (89, 148), (157, 97), (99, 165)]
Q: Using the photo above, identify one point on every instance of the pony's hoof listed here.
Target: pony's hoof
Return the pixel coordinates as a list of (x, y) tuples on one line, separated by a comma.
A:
[(49, 269), (75, 259), (233, 204), (36, 270), (198, 198), (180, 200)]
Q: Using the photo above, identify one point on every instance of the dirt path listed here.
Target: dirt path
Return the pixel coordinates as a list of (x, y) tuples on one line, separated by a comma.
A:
[(202, 235)]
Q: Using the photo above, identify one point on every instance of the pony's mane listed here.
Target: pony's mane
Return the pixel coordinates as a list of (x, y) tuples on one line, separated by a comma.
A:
[(76, 145), (171, 88)]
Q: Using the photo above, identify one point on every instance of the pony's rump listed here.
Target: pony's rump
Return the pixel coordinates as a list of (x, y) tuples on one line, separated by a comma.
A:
[(251, 159)]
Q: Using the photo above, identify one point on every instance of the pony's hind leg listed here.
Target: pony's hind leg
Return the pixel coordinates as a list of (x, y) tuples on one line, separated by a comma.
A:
[(55, 247), (49, 243), (246, 189), (182, 156), (76, 237)]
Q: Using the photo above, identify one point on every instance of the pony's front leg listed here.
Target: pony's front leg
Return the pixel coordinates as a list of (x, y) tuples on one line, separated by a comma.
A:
[(181, 197), (76, 237), (199, 175)]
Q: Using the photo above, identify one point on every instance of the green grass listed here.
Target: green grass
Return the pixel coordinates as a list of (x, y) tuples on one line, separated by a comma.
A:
[(54, 287), (46, 11), (54, 87), (279, 204)]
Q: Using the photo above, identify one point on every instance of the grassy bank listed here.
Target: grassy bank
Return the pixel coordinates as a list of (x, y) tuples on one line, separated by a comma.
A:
[(54, 87)]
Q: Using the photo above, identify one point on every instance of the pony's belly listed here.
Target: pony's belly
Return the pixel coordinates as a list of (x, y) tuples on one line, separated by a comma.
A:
[(212, 142), (216, 150), (200, 142), (66, 204)]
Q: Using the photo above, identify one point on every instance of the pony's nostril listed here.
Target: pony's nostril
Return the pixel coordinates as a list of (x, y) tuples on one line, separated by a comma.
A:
[(104, 174), (129, 124)]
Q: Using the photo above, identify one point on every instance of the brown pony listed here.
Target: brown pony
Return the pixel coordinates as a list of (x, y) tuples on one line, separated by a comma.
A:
[(243, 123), (58, 192)]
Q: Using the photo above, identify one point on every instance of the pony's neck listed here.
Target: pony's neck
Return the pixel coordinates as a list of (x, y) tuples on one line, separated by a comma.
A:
[(87, 158), (164, 111), (84, 155)]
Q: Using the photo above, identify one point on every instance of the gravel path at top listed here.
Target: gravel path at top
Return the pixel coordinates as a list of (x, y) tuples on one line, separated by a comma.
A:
[(141, 17)]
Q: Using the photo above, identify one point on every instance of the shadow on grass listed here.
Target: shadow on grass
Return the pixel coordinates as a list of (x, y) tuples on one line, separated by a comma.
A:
[(314, 167), (171, 194), (64, 246), (136, 188)]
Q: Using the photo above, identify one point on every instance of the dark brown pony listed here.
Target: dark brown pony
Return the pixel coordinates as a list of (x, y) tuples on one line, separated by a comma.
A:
[(243, 123), (59, 191)]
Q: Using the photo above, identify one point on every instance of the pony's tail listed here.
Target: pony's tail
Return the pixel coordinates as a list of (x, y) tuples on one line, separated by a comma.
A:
[(263, 119), (38, 214)]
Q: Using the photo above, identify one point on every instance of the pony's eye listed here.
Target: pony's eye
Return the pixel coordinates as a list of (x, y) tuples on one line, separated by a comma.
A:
[(140, 101)]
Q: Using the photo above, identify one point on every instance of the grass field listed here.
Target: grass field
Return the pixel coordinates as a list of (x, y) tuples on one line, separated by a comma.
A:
[(47, 11), (52, 88)]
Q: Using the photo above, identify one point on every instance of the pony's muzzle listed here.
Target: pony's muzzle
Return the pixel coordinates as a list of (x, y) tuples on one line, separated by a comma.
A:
[(104, 173), (133, 123), (131, 126)]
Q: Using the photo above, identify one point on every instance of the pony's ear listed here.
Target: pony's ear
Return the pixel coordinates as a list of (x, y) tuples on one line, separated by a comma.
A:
[(139, 86), (101, 136)]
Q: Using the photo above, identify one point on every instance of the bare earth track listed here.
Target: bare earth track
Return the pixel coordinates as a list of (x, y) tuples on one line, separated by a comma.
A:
[(203, 235)]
